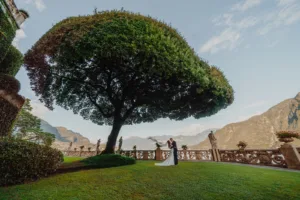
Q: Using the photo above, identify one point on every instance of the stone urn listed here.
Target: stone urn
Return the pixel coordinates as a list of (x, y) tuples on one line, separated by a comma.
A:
[(287, 136), (286, 140), (241, 147)]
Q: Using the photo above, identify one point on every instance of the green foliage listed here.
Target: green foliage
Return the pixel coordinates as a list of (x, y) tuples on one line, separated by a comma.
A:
[(8, 115), (288, 134), (184, 147), (157, 145), (12, 62), (242, 144), (9, 84), (109, 160), (72, 159), (187, 181), (27, 127), (119, 68), (7, 34), (22, 160)]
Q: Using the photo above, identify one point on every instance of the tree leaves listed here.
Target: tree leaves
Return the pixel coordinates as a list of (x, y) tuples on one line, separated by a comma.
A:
[(125, 66), (27, 127)]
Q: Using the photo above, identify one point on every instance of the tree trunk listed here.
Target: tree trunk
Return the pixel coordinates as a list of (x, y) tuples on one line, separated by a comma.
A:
[(112, 138)]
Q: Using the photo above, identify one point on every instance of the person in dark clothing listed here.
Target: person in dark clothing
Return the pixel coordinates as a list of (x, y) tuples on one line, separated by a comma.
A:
[(174, 146)]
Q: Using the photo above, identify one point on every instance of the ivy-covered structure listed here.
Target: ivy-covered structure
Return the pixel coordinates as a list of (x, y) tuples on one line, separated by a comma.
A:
[(11, 59), (11, 18)]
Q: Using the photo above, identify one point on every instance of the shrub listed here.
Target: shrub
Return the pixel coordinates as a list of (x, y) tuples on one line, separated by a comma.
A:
[(22, 161), (287, 134), (12, 62), (9, 84), (242, 144), (8, 114), (109, 160), (184, 147)]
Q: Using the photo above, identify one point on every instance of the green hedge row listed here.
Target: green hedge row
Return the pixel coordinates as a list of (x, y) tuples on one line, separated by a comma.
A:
[(22, 161), (8, 114), (109, 160), (7, 34)]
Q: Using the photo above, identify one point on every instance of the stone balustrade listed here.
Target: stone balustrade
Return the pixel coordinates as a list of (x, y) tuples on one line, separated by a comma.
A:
[(190, 155), (267, 157), (84, 154)]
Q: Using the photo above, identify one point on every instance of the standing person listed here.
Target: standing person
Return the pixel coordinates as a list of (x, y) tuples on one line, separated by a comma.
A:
[(170, 160), (174, 147)]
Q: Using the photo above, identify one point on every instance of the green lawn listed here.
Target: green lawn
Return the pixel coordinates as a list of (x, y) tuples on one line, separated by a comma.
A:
[(72, 159), (187, 181)]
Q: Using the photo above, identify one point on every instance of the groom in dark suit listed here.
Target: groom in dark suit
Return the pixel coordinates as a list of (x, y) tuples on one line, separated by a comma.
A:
[(174, 146)]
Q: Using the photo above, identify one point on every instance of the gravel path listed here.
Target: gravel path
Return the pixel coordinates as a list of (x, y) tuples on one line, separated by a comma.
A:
[(264, 167)]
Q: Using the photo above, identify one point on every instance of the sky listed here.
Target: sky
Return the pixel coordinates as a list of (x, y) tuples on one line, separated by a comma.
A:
[(254, 42)]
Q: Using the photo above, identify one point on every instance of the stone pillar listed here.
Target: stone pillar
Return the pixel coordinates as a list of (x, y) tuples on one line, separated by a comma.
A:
[(145, 155), (158, 154), (291, 155), (10, 105), (185, 155)]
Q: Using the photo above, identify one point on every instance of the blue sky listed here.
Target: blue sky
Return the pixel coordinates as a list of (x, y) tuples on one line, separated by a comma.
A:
[(254, 42)]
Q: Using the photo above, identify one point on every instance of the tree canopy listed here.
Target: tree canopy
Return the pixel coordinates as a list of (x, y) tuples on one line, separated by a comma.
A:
[(27, 127), (118, 68), (12, 62)]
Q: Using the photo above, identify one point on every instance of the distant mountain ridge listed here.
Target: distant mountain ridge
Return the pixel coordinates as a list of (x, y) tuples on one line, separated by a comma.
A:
[(65, 136), (260, 131), (146, 144)]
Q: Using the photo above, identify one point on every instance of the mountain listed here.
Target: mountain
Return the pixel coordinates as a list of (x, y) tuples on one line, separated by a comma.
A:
[(63, 137), (260, 131), (146, 144)]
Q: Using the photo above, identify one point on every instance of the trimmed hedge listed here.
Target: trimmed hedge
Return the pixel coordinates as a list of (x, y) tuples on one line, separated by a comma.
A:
[(12, 62), (22, 161), (7, 34), (9, 84), (8, 114), (109, 160)]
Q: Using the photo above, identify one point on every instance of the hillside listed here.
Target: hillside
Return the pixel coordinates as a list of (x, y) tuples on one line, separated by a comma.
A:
[(259, 131), (64, 137)]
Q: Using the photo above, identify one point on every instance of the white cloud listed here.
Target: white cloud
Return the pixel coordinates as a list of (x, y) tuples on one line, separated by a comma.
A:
[(39, 4), (20, 34), (237, 24), (39, 109), (286, 13), (227, 20), (247, 4), (191, 129), (256, 104), (228, 39), (285, 2)]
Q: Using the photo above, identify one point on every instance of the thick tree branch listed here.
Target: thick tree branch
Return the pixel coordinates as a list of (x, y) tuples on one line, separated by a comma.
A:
[(106, 115)]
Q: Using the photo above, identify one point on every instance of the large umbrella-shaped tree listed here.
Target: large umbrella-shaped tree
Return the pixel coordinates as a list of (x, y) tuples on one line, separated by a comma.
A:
[(119, 68)]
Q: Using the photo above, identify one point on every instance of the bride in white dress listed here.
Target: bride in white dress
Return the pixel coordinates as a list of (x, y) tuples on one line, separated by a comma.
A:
[(170, 160)]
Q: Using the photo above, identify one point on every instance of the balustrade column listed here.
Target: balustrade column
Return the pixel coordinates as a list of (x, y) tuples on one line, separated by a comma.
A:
[(145, 155), (158, 154), (291, 156)]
